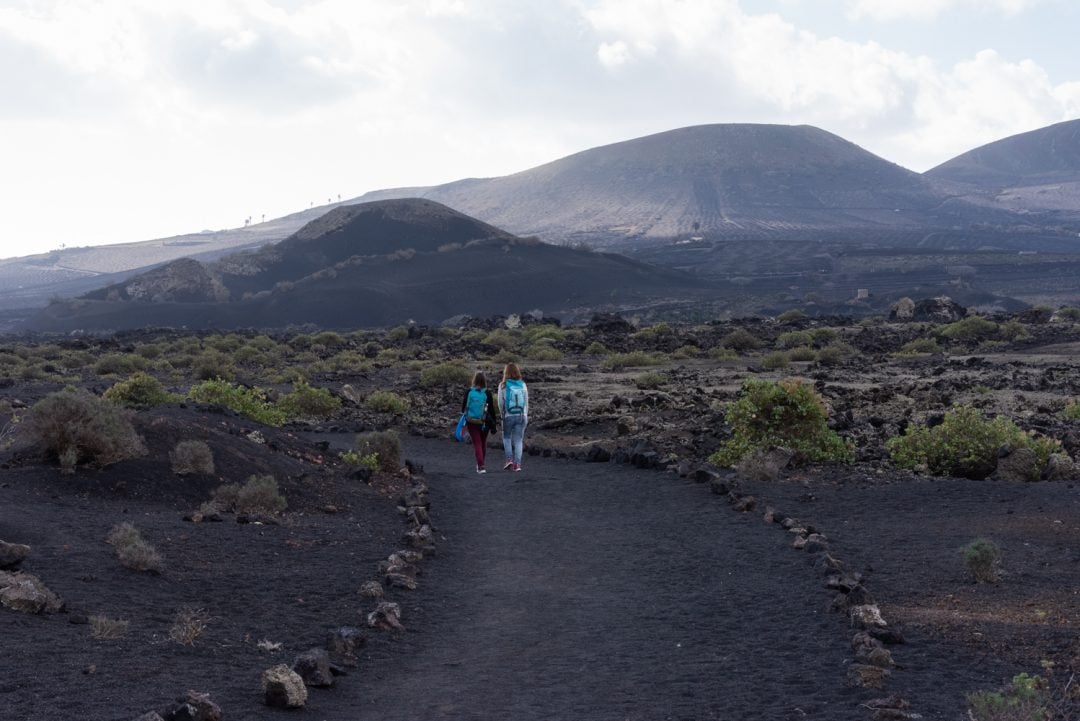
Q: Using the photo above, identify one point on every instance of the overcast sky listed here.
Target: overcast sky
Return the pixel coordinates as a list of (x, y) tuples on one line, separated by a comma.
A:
[(125, 120)]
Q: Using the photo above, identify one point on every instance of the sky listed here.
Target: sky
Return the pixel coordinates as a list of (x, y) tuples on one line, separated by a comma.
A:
[(124, 120)]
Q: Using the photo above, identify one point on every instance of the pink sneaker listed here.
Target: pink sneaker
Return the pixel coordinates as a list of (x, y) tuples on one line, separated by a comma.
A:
[(517, 466), (509, 466)]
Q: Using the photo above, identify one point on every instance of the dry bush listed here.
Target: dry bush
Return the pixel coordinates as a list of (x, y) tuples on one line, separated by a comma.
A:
[(141, 390), (75, 426), (188, 625), (133, 550), (106, 629), (259, 494), (983, 559), (192, 457), (385, 444)]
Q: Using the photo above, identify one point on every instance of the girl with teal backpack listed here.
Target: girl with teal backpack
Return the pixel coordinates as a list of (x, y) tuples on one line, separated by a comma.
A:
[(514, 402), (478, 407)]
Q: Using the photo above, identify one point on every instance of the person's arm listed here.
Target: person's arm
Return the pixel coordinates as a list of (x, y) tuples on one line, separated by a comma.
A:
[(493, 409), (502, 396), (465, 400), (525, 392)]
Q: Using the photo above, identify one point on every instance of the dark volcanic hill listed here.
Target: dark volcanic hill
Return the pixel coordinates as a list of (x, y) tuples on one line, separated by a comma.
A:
[(1034, 172), (373, 264), (715, 181)]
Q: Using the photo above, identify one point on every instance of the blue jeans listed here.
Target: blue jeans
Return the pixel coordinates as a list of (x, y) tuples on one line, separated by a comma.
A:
[(513, 437)]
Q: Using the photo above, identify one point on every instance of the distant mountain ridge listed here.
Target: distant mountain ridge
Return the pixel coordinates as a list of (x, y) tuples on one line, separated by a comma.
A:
[(731, 180), (372, 264)]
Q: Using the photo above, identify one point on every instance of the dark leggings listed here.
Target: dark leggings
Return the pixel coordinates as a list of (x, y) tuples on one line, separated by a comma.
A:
[(479, 435)]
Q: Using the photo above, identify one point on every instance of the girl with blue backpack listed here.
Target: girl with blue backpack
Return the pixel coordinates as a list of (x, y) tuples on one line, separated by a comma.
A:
[(514, 402), (478, 407)]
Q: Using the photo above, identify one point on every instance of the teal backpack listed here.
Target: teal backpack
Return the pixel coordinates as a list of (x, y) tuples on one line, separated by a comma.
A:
[(474, 406), (514, 397)]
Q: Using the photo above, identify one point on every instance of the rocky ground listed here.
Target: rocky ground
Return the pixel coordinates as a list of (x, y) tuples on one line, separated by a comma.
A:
[(559, 590)]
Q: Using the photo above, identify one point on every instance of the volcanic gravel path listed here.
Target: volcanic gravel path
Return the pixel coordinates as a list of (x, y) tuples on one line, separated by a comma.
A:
[(593, 591)]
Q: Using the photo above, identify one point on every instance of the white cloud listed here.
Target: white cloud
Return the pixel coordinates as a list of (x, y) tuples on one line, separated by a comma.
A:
[(930, 9), (908, 108)]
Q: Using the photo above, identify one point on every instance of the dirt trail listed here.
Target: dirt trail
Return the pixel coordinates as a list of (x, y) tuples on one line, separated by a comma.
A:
[(590, 591)]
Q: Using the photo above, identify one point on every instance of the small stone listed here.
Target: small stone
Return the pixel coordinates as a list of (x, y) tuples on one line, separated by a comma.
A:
[(150, 716), (283, 688), (866, 676), (816, 543), (866, 617), (386, 617), (26, 593), (12, 554), (314, 667), (372, 589), (196, 707), (745, 504), (343, 643), (888, 636)]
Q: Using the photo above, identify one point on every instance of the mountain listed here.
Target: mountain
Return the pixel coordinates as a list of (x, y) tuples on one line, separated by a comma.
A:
[(713, 181), (1037, 172), (376, 263)]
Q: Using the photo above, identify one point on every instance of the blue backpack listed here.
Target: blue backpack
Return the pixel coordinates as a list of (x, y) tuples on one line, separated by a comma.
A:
[(514, 397), (474, 406)]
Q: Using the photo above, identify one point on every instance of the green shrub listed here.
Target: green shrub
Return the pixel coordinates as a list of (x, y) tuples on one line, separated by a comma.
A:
[(686, 351), (1072, 411), (650, 381), (307, 402), (740, 340), (775, 360), (802, 354), (446, 374), (634, 359), (141, 390), (259, 494), (397, 334), (834, 355), (192, 457), (723, 354), (540, 331), (120, 364), (133, 550), (1069, 314), (330, 339), (1027, 698), (653, 333), (250, 402), (383, 444), (983, 559), (543, 352), (794, 339), (792, 315), (352, 458), (787, 413), (386, 402), (76, 427), (920, 346), (972, 328), (211, 365), (964, 444), (596, 348), (1014, 331), (500, 338), (149, 351), (824, 336)]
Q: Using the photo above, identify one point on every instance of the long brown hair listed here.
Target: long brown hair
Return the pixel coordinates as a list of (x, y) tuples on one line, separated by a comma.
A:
[(512, 372), (478, 380)]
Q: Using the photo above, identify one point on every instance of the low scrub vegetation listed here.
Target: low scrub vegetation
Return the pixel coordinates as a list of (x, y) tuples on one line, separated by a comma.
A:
[(1072, 411), (259, 494), (120, 364), (650, 381), (188, 625), (133, 550), (787, 413), (386, 402), (75, 427), (352, 458), (446, 374), (972, 328), (384, 445), (104, 628), (741, 340), (920, 346), (192, 457), (776, 360), (141, 390), (983, 558), (964, 444), (250, 402), (634, 359), (1026, 698), (307, 402)]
